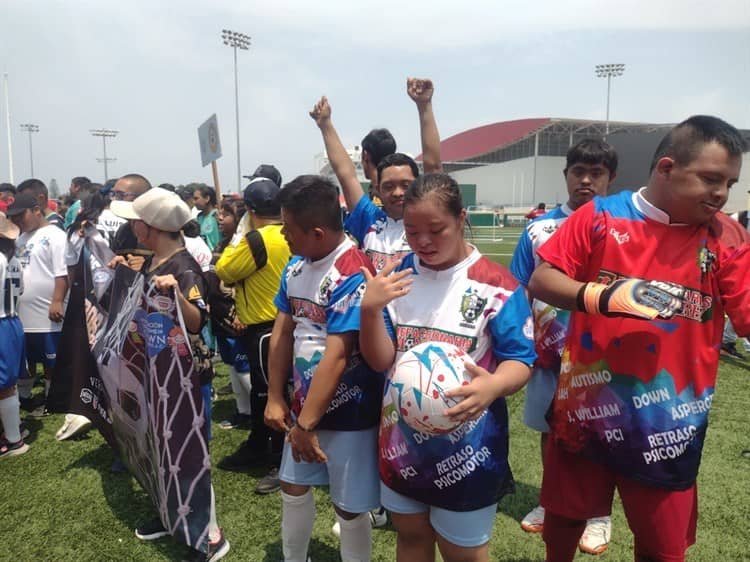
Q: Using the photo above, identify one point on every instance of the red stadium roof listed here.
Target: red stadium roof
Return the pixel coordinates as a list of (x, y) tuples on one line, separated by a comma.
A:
[(475, 142)]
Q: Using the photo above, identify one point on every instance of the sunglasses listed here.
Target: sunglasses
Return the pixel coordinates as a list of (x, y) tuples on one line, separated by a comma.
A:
[(124, 195)]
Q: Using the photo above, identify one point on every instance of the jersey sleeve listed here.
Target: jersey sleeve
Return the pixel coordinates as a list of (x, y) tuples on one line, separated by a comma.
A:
[(193, 288), (236, 263), (522, 263), (735, 289), (58, 247), (512, 330), (569, 249), (281, 301), (364, 215), (343, 310)]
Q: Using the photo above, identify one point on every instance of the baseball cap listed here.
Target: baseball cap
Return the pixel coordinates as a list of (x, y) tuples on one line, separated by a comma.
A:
[(157, 207), (262, 196), (7, 228), (22, 202), (268, 171)]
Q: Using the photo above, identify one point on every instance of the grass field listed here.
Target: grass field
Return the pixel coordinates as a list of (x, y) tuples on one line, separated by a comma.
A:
[(60, 502)]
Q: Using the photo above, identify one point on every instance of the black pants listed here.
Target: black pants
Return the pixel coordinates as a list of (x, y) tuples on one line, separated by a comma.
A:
[(256, 339)]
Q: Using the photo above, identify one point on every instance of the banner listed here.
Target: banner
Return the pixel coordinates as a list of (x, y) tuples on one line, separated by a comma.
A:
[(143, 394)]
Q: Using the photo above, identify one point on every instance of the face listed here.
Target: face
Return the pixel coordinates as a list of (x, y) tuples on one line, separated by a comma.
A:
[(124, 190), (200, 202), (434, 234), (29, 220), (586, 181), (302, 243), (7, 197), (693, 193), (74, 189), (227, 222), (392, 187), (142, 232)]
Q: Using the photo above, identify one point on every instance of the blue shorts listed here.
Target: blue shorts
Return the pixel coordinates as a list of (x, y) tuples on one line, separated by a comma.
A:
[(232, 352), (351, 471), (540, 391), (462, 528), (41, 347), (12, 356)]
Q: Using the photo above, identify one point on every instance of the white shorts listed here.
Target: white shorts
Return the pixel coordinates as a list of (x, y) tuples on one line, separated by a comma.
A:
[(351, 471)]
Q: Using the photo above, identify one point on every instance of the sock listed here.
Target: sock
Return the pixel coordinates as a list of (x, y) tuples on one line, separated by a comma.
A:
[(24, 386), (214, 533), (297, 518), (241, 388), (356, 538), (47, 384), (10, 415)]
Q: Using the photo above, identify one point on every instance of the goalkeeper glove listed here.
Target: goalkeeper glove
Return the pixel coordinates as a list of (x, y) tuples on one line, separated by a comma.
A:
[(632, 298)]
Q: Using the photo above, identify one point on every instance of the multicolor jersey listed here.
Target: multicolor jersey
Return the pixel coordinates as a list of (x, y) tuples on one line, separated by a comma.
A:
[(380, 237), (636, 394), (550, 323), (474, 305), (11, 286), (324, 297)]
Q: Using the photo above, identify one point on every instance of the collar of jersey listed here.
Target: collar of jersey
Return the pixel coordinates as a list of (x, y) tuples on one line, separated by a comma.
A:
[(446, 273), (651, 212), (330, 258)]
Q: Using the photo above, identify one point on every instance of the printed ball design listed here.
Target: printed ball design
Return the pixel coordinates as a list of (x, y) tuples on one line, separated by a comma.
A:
[(420, 380)]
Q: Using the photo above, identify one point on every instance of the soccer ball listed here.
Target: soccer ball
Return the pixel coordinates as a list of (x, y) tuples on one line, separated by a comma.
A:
[(420, 380)]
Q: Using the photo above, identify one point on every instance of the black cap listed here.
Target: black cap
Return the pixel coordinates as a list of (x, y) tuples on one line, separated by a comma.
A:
[(268, 171), (22, 202), (262, 196)]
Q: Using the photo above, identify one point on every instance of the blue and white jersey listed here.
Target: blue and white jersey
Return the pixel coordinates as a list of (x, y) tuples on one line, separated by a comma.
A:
[(324, 297), (475, 306), (11, 286), (380, 237)]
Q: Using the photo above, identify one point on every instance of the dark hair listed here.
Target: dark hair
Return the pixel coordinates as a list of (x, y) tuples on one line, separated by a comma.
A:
[(592, 152), (141, 182), (184, 192), (379, 143), (235, 206), (7, 247), (78, 181), (33, 186), (7, 187), (398, 159), (92, 205), (441, 186), (207, 191), (191, 229), (167, 186), (541, 206), (686, 140), (314, 202)]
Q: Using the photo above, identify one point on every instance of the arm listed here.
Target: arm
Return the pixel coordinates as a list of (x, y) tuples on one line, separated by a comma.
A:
[(191, 313), (421, 90), (236, 263), (280, 360), (552, 286), (58, 297), (342, 165)]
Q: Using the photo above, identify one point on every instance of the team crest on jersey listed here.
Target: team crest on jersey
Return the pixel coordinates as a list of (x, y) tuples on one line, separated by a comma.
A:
[(706, 258), (549, 228), (472, 306), (326, 286), (296, 269)]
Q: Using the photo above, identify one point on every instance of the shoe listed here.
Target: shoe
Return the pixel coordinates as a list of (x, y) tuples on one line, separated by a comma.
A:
[(534, 520), (216, 551), (12, 449), (378, 517), (151, 530), (24, 433), (225, 390), (243, 459), (730, 349), (595, 538), (31, 403), (270, 483), (237, 421), (72, 425), (40, 411)]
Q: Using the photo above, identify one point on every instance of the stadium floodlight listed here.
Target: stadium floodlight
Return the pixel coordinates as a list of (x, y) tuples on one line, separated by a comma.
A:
[(609, 71), (241, 41), (105, 133), (30, 128)]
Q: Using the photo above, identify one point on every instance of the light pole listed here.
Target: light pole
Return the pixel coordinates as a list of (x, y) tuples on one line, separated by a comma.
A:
[(104, 133), (30, 128), (609, 71), (236, 41)]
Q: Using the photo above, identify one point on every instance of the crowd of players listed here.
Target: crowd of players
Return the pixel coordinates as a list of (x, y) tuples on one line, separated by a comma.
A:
[(277, 281)]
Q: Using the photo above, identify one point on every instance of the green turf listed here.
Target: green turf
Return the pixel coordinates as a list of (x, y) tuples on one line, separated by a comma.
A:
[(60, 502)]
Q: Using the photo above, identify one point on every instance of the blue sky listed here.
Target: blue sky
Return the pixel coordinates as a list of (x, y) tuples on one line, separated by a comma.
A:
[(156, 70)]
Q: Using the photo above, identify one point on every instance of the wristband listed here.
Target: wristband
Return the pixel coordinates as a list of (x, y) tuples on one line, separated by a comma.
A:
[(589, 297), (302, 427)]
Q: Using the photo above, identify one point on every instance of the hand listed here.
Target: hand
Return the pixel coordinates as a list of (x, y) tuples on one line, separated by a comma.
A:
[(420, 90), (385, 286), (276, 415), (238, 326), (56, 311), (321, 113), (476, 396), (165, 282), (305, 446), (135, 262), (632, 298), (115, 261)]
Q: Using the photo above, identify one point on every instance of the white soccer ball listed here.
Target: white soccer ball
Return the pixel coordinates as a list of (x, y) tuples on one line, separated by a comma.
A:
[(420, 380)]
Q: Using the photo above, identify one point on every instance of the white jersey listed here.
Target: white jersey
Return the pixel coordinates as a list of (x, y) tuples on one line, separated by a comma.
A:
[(41, 254), (200, 251), (11, 286), (381, 237), (108, 223)]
